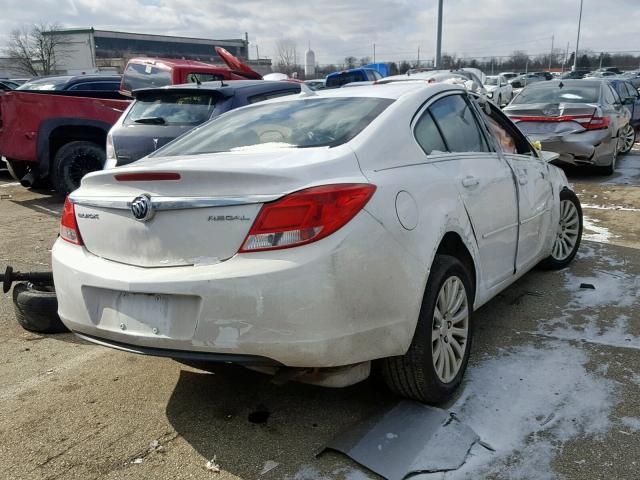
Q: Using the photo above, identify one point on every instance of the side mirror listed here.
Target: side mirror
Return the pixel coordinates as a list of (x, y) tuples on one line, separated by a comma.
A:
[(629, 100)]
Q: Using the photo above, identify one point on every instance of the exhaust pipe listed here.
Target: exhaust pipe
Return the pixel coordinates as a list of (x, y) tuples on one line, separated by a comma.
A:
[(27, 180)]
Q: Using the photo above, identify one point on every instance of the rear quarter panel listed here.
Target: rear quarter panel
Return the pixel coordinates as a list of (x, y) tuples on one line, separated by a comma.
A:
[(24, 112)]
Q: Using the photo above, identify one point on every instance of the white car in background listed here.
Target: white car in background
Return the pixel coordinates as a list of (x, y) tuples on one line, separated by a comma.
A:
[(463, 77), (498, 89), (310, 236)]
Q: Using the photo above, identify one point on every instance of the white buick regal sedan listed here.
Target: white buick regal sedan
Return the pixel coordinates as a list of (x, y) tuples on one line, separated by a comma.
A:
[(309, 236)]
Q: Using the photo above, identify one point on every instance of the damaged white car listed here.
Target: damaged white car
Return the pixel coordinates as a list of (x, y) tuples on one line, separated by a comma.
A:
[(310, 236)]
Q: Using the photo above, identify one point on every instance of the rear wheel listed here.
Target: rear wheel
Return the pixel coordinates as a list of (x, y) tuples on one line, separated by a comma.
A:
[(611, 168), (568, 233), (434, 365), (72, 162), (627, 139)]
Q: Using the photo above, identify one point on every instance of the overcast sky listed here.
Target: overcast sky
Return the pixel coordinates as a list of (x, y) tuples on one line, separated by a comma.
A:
[(338, 28)]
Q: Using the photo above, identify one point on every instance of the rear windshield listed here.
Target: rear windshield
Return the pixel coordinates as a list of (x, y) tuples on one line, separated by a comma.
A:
[(555, 94), (52, 83), (169, 108), (491, 81), (138, 76), (319, 122), (344, 78)]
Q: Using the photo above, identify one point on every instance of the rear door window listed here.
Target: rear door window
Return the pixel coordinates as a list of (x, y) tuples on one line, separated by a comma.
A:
[(139, 75), (172, 108), (428, 136), (458, 124)]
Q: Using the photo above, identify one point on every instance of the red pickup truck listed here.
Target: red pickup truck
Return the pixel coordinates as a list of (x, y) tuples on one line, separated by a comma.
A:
[(61, 136)]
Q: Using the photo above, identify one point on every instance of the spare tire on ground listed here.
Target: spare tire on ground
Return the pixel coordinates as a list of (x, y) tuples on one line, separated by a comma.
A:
[(36, 308)]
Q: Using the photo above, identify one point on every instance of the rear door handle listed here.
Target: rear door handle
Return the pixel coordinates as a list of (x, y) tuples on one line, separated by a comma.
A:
[(470, 181)]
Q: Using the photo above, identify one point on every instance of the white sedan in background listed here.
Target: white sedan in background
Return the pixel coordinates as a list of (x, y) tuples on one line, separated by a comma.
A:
[(310, 236), (498, 89)]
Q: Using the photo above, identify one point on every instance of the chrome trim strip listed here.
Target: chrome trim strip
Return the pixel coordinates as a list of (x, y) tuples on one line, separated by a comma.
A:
[(527, 220), (172, 203), (499, 230)]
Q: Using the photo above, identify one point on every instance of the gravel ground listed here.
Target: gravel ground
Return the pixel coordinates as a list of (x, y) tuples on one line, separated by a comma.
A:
[(553, 385)]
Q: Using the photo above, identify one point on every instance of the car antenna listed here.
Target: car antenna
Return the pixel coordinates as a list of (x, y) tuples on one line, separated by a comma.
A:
[(560, 85), (222, 83)]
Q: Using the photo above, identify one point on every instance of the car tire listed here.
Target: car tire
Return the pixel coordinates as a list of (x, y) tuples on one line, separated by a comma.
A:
[(36, 308), (611, 168), (628, 139), (72, 162), (568, 234), (416, 374)]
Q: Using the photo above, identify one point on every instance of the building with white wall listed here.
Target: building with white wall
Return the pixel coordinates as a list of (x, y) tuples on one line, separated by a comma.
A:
[(86, 50)]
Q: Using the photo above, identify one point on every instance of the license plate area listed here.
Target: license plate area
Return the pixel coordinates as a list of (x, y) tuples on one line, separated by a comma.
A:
[(143, 314)]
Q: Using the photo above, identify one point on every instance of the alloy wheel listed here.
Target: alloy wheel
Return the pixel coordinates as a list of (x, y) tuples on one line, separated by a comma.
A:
[(568, 229), (628, 139), (450, 329)]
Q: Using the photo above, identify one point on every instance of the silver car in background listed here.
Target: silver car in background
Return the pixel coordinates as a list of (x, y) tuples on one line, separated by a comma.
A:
[(579, 119)]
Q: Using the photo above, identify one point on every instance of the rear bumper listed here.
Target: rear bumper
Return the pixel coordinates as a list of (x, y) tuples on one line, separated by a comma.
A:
[(584, 148), (334, 302)]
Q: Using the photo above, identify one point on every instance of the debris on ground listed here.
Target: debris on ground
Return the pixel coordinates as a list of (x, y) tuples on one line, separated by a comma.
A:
[(587, 285), (406, 439), (268, 466), (212, 465)]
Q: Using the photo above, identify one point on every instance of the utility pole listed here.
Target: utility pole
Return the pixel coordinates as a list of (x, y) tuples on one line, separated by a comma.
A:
[(438, 59), (566, 57), (551, 55), (374, 53), (418, 56), (257, 52), (600, 60), (575, 58)]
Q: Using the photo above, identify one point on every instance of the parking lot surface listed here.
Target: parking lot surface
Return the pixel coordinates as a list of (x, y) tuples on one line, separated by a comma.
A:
[(553, 387)]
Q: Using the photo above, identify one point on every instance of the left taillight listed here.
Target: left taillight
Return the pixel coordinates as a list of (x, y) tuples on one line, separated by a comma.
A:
[(68, 226), (306, 216)]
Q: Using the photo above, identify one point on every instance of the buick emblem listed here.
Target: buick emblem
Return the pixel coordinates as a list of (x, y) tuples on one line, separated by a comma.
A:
[(142, 208)]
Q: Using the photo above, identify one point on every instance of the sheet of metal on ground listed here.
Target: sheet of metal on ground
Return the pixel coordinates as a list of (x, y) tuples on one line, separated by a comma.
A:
[(407, 439)]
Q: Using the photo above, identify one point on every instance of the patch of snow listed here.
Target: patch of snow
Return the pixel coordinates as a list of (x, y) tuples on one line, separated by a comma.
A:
[(613, 287), (595, 331), (307, 472), (600, 234), (589, 206), (526, 403), (631, 422)]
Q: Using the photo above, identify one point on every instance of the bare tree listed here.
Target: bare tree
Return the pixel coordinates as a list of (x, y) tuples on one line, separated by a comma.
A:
[(36, 49), (350, 62), (286, 61), (365, 61)]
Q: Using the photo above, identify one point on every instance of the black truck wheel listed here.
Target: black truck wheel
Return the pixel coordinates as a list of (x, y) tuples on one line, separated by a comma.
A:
[(36, 308), (72, 162)]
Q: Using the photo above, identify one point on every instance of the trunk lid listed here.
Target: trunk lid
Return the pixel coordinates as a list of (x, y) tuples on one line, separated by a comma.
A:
[(551, 118), (204, 216)]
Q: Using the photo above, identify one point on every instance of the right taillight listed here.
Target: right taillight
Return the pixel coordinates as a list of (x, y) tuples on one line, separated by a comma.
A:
[(306, 216), (597, 123), (68, 226)]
